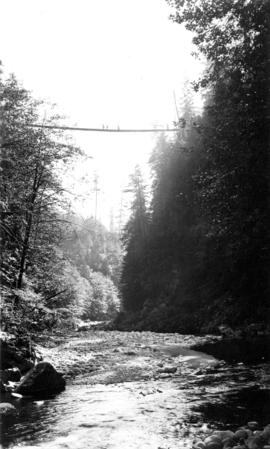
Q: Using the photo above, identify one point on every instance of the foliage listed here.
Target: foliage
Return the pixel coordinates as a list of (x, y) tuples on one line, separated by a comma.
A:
[(135, 237), (104, 302), (234, 180), (206, 258), (30, 186), (23, 312), (89, 245), (47, 266)]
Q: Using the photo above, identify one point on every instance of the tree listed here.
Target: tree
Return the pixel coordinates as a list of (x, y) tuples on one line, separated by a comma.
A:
[(104, 302), (135, 240), (30, 185), (208, 249), (234, 181), (53, 263), (173, 246), (89, 245)]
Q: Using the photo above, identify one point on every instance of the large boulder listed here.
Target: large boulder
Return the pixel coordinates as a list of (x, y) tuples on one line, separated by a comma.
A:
[(7, 409), (41, 380)]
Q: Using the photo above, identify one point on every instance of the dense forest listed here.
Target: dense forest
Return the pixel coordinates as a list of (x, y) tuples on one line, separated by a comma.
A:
[(197, 257), (56, 268), (195, 252)]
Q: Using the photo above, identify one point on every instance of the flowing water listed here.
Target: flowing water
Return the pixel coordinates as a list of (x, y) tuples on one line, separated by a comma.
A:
[(151, 408)]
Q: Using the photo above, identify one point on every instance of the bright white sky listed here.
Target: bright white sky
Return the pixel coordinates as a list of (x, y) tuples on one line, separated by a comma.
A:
[(104, 62)]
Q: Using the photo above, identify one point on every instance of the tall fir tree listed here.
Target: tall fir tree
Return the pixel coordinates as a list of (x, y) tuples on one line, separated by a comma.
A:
[(135, 240)]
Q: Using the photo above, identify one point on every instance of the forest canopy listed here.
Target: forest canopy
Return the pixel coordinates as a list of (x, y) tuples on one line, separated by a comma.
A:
[(195, 252), (53, 263), (205, 258)]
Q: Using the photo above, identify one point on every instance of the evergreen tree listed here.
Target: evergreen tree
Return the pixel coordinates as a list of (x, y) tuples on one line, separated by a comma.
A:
[(207, 259), (234, 179), (135, 240)]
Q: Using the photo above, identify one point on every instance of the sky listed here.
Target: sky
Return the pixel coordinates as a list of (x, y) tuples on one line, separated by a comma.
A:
[(104, 63)]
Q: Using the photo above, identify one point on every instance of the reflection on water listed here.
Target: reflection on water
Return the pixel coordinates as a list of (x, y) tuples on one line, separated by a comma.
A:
[(248, 351), (147, 414), (238, 407)]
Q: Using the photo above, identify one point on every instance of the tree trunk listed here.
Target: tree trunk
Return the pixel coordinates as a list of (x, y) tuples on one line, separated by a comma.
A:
[(24, 250), (29, 219)]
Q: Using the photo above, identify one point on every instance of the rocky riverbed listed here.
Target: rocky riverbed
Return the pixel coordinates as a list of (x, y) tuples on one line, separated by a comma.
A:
[(142, 389), (114, 357)]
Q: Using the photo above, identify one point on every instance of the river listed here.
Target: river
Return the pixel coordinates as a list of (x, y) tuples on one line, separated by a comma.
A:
[(143, 390)]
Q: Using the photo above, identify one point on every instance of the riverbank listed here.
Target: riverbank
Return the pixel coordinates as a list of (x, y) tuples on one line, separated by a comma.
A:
[(134, 384), (113, 357)]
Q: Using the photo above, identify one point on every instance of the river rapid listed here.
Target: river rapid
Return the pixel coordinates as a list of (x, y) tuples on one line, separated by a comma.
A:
[(142, 390)]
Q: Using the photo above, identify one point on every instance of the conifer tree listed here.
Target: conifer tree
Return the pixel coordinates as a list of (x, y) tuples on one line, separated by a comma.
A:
[(135, 239)]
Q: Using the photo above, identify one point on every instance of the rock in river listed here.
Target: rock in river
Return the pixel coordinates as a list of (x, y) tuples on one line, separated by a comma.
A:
[(243, 438), (167, 370), (43, 379), (7, 409)]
